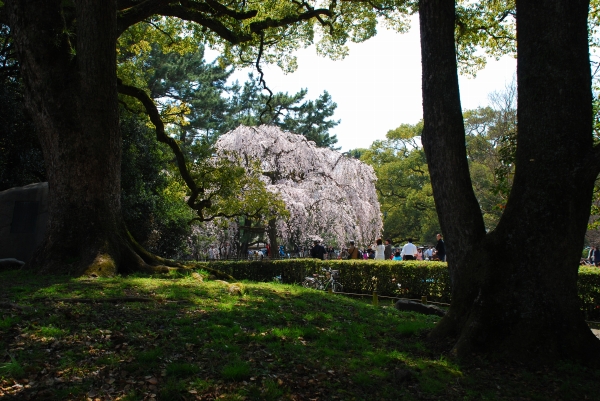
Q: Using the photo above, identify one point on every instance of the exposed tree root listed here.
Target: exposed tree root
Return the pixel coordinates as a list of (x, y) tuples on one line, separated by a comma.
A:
[(10, 305), (106, 255), (151, 259), (193, 266), (543, 339)]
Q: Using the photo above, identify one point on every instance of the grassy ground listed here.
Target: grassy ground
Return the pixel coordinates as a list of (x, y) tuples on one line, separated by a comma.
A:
[(192, 339)]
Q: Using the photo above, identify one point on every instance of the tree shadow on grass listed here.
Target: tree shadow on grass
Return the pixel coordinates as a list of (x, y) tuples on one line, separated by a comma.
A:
[(197, 340)]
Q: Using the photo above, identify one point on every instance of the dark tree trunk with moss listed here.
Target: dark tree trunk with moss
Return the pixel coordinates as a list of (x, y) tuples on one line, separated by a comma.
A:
[(71, 95), (515, 289), (272, 232)]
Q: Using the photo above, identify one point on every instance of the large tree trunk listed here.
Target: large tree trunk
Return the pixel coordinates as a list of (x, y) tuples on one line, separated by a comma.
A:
[(71, 94), (443, 135), (272, 232), (515, 289)]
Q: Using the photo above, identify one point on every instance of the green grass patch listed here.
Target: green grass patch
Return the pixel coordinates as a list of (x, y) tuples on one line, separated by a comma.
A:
[(12, 369), (409, 328), (7, 322), (274, 342), (51, 331), (236, 370), (150, 358), (173, 390), (182, 369)]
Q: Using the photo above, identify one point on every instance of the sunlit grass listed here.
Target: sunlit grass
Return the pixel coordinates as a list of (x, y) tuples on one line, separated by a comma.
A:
[(50, 331), (195, 337)]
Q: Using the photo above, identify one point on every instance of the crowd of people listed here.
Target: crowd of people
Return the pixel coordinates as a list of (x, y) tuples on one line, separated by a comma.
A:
[(378, 251), (382, 251), (593, 257)]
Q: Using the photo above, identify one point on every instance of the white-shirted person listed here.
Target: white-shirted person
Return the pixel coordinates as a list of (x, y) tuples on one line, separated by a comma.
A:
[(409, 251), (380, 250)]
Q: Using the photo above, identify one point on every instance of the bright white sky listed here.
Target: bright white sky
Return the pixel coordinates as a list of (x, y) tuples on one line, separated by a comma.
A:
[(377, 86)]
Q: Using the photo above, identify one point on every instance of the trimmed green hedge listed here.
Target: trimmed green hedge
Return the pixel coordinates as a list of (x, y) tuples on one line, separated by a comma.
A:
[(357, 276), (417, 278), (589, 291)]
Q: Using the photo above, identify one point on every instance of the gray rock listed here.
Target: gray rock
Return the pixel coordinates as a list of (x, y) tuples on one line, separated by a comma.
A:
[(10, 264), (23, 220), (412, 306)]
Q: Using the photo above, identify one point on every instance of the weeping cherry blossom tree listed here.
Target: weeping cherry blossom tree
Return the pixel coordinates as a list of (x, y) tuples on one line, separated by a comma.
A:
[(327, 194)]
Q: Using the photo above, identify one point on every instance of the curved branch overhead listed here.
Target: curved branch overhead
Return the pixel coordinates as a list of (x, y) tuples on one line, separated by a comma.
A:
[(131, 12), (161, 136), (277, 23), (208, 13), (200, 17), (203, 199), (220, 9)]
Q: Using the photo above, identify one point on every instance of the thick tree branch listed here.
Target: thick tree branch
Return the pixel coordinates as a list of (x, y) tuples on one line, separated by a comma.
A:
[(200, 17), (258, 26), (261, 77), (201, 218), (161, 136), (220, 9), (206, 14), (130, 13), (199, 205), (372, 4)]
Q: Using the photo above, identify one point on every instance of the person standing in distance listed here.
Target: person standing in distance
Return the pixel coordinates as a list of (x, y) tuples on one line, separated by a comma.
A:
[(409, 251), (352, 251), (440, 248), (317, 251), (387, 253), (380, 250)]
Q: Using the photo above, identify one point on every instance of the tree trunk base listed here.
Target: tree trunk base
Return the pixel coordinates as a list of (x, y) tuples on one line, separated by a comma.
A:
[(544, 340), (117, 253)]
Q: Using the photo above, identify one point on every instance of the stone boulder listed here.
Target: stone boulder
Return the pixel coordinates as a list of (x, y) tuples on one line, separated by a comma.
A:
[(10, 264), (23, 220), (412, 306)]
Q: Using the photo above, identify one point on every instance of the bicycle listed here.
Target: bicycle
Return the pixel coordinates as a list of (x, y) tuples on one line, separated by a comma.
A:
[(324, 282)]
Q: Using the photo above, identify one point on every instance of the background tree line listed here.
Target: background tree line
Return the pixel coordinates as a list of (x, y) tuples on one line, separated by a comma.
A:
[(404, 186)]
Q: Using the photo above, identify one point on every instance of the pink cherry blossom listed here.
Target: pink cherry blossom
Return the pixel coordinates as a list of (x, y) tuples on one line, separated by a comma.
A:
[(328, 194)]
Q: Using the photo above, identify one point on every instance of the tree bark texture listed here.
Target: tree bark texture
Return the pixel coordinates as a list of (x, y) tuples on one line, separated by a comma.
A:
[(71, 94), (443, 135), (272, 232), (515, 289)]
